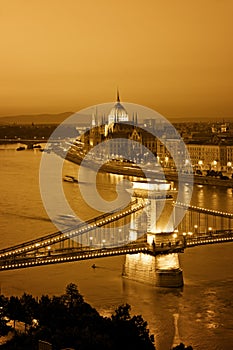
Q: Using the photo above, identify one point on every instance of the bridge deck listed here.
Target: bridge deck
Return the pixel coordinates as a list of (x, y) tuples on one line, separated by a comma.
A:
[(196, 241), (77, 254), (35, 252), (84, 253), (78, 230), (202, 210)]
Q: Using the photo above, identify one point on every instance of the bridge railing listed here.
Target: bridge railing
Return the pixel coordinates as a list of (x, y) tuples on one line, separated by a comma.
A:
[(66, 234), (13, 262), (202, 210), (222, 236)]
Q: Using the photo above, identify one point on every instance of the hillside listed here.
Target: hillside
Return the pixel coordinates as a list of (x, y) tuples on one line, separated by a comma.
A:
[(36, 118)]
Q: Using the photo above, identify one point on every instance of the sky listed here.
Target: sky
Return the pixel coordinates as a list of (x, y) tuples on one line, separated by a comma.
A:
[(175, 56)]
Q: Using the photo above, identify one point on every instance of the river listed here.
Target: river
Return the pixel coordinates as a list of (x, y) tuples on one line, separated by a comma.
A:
[(201, 314)]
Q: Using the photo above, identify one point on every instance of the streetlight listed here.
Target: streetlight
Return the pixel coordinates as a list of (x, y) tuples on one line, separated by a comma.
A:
[(195, 229), (214, 163), (229, 166), (49, 250), (200, 163), (91, 238), (184, 237)]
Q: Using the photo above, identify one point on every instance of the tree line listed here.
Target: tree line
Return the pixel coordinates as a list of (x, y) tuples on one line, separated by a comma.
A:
[(67, 321)]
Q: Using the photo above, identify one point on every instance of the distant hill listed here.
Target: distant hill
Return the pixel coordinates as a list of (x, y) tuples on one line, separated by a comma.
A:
[(47, 118), (36, 119)]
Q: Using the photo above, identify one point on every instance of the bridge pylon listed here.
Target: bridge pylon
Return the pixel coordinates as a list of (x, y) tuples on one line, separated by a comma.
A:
[(161, 270)]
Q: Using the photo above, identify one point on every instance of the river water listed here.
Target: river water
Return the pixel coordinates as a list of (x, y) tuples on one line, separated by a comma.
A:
[(201, 314)]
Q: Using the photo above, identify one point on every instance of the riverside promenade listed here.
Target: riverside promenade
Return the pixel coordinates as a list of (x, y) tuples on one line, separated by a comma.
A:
[(129, 169)]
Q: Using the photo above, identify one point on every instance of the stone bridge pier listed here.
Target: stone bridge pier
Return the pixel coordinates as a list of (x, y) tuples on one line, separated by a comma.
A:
[(157, 270)]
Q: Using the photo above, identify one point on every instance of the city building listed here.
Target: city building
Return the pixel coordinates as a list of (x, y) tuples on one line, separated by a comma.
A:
[(119, 130), (217, 157), (213, 152), (122, 137)]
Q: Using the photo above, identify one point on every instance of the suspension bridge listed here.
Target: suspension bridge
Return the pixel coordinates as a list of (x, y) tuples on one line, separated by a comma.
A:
[(115, 233)]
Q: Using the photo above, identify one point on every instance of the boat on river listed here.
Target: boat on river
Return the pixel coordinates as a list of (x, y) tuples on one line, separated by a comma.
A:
[(66, 220), (69, 178), (21, 148)]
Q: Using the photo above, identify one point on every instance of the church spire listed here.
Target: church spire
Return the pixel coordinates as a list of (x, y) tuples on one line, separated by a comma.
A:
[(118, 96), (93, 120)]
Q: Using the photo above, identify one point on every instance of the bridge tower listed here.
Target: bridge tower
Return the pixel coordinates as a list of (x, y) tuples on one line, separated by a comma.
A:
[(158, 270)]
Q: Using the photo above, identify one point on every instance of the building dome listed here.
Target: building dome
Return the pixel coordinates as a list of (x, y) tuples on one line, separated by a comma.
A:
[(118, 113)]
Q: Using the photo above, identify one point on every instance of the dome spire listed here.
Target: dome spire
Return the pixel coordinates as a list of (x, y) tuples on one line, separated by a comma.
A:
[(118, 96), (118, 113)]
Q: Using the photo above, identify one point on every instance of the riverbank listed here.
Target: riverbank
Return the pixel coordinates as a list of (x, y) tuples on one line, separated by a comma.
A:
[(201, 180), (129, 169)]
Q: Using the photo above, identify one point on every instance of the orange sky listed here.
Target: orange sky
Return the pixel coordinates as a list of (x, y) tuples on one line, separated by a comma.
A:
[(175, 56)]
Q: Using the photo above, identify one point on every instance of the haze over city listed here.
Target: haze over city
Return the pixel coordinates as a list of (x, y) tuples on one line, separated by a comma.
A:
[(173, 56)]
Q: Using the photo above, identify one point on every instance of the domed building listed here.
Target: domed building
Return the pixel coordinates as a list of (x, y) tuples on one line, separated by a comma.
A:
[(120, 130), (118, 113)]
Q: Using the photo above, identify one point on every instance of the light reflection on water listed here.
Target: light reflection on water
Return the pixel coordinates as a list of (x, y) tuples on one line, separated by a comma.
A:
[(204, 306)]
